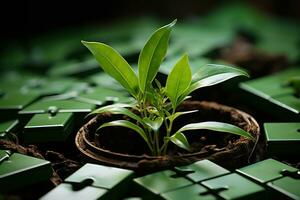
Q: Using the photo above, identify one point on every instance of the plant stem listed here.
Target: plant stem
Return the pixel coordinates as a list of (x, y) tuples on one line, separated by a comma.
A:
[(157, 142)]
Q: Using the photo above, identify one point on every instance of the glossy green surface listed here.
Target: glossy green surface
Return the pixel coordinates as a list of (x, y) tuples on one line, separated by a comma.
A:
[(202, 170), (19, 170), (272, 94), (193, 192), (273, 85), (6, 127), (65, 191), (283, 138), (15, 100), (265, 171), (74, 68), (234, 186), (103, 177), (161, 182), (43, 106), (290, 102), (100, 96), (47, 128), (288, 186)]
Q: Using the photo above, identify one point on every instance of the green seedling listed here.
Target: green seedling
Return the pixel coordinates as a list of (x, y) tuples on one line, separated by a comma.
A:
[(156, 105)]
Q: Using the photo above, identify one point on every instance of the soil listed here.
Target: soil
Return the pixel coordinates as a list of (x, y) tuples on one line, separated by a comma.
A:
[(116, 145)]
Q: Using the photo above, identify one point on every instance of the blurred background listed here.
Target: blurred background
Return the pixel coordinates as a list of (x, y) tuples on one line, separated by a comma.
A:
[(31, 17), (41, 39)]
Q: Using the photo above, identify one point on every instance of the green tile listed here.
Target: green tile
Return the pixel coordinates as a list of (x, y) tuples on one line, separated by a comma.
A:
[(49, 128), (100, 96), (287, 186), (70, 105), (202, 170), (193, 192), (11, 103), (17, 171), (282, 138), (102, 176), (273, 95), (289, 102), (45, 87), (104, 80), (271, 86), (161, 182), (74, 68), (66, 191), (234, 186), (265, 171), (6, 127)]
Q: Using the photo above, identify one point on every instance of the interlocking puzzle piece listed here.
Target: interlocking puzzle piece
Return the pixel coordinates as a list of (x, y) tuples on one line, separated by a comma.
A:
[(67, 191), (105, 81), (161, 182), (287, 186), (100, 96), (70, 105), (272, 93), (283, 138), (266, 170), (6, 127), (49, 128), (17, 171), (102, 176), (74, 68), (192, 192), (45, 87), (115, 180), (11, 103), (202, 170), (234, 186)]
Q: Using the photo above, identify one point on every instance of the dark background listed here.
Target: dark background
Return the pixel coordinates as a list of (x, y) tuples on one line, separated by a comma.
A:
[(25, 19)]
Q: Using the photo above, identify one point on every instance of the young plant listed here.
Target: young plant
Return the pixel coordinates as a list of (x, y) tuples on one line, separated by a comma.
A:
[(156, 105)]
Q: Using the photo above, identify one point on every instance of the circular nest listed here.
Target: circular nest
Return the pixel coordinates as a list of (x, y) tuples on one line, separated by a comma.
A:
[(234, 153)]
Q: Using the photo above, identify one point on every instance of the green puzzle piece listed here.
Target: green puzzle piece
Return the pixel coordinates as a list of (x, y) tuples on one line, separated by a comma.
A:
[(272, 94), (66, 191), (48, 128), (102, 176), (6, 127), (70, 105), (234, 186), (11, 103), (202, 170), (282, 138), (161, 182), (17, 171), (100, 96), (265, 171), (193, 192), (287, 186)]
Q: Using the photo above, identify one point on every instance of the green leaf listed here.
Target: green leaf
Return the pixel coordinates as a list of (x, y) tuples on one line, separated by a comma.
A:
[(118, 110), (178, 80), (177, 114), (212, 74), (154, 124), (114, 65), (152, 55), (217, 126), (180, 140), (130, 125)]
